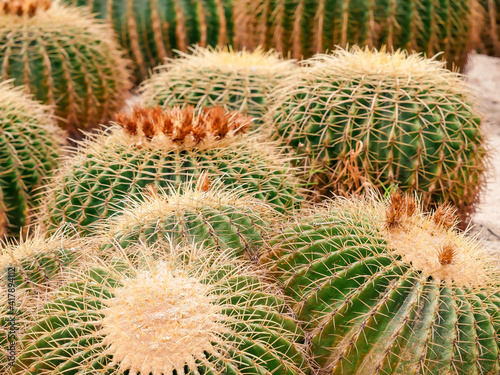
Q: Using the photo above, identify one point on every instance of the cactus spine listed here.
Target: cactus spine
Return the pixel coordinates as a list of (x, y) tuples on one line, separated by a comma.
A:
[(206, 214), (384, 289), (165, 148), (373, 118), (29, 151), (237, 81), (168, 316), (65, 59)]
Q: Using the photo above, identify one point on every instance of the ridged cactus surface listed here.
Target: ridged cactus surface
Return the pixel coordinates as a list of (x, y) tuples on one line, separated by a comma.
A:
[(207, 214), (237, 81), (490, 27), (305, 27), (64, 58), (166, 148), (383, 289), (30, 146), (150, 30), (375, 119), (166, 316)]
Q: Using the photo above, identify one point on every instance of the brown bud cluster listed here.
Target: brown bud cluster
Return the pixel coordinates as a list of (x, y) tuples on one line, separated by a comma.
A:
[(445, 216), (179, 124), (446, 255), (23, 7), (399, 207)]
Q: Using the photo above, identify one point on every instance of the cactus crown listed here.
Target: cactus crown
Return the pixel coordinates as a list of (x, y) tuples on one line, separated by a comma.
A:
[(24, 7), (183, 126)]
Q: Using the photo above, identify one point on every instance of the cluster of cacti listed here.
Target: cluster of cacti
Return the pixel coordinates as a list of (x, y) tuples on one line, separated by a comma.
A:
[(30, 143), (383, 289), (203, 214), (165, 148), (166, 316), (65, 59), (374, 119), (237, 81)]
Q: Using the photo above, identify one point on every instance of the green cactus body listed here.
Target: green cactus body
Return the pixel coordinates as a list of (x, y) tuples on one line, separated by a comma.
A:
[(150, 30), (305, 27), (30, 145), (372, 118), (213, 216), (383, 289), (169, 316), (65, 59), (122, 162), (237, 81)]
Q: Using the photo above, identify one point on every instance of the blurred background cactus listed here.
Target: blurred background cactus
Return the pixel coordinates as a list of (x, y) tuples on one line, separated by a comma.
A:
[(236, 81), (30, 147), (65, 59), (489, 42), (376, 119)]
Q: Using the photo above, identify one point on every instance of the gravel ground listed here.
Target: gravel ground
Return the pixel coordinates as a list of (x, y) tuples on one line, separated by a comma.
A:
[(483, 74)]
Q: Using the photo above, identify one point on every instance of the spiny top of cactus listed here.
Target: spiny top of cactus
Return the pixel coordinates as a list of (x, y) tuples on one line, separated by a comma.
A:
[(24, 7)]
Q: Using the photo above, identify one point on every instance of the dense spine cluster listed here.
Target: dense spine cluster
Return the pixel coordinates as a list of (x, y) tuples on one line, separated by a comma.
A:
[(168, 316), (65, 59), (382, 289), (375, 119), (30, 146)]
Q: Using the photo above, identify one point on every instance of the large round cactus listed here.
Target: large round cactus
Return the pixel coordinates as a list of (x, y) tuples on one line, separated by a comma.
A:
[(175, 314), (375, 119), (207, 214), (304, 27), (65, 59), (30, 145), (237, 81), (384, 289), (165, 148), (151, 29)]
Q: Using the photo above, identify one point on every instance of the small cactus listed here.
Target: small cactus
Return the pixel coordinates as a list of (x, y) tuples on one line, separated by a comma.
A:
[(204, 214), (30, 146), (165, 148), (384, 289), (378, 119), (237, 81), (65, 59), (175, 314)]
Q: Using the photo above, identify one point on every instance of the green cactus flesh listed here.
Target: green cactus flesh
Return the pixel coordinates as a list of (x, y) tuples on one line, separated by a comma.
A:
[(372, 118), (29, 151), (120, 164), (166, 317), (383, 289), (214, 217), (65, 59), (150, 30), (237, 81)]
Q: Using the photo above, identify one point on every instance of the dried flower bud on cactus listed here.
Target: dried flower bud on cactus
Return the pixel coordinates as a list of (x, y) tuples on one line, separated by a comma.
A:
[(24, 7)]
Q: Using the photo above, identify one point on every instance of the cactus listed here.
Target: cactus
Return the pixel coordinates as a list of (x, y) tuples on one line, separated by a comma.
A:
[(206, 214), (489, 27), (65, 59), (366, 118), (165, 148), (384, 289), (304, 27), (237, 81), (30, 147), (150, 30), (167, 316)]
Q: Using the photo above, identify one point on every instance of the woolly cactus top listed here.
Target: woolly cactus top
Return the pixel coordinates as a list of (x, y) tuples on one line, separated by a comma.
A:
[(182, 127), (24, 7)]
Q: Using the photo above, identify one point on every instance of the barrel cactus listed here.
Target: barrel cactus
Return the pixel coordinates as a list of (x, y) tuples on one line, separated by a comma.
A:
[(165, 148), (376, 119), (237, 81), (304, 27), (151, 29), (65, 59), (30, 146), (384, 289), (489, 26), (169, 315), (207, 214)]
